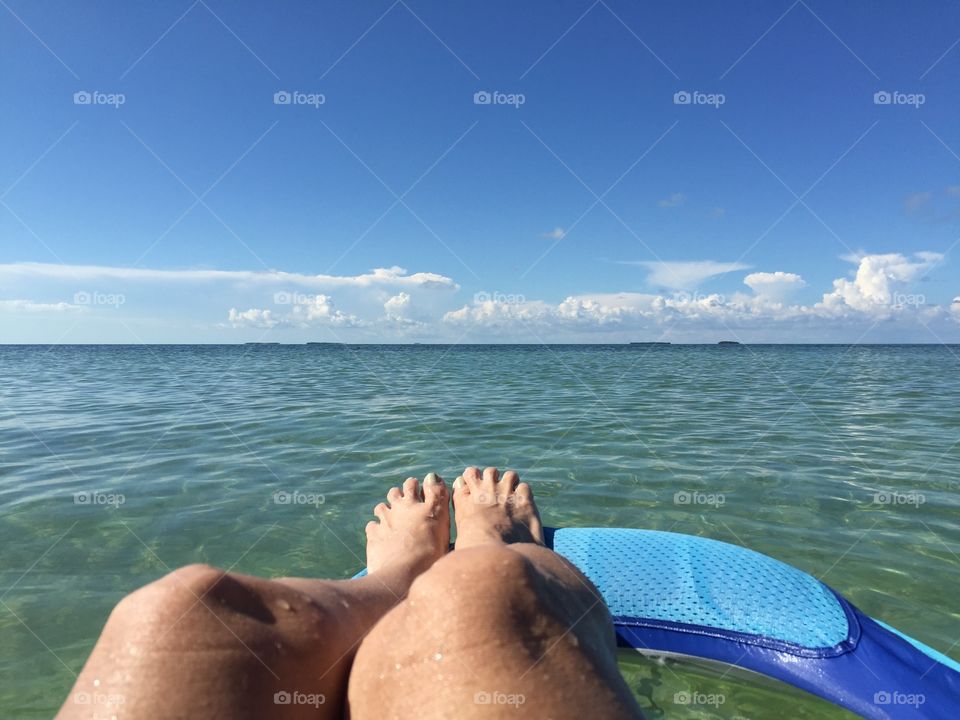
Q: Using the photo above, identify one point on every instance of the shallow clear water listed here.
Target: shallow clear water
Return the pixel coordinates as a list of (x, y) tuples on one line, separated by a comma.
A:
[(795, 440)]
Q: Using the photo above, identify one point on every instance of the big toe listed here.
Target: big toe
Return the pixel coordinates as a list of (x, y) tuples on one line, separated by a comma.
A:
[(435, 491)]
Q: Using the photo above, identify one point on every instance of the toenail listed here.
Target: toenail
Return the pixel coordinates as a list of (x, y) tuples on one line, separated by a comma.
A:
[(458, 483), (431, 479)]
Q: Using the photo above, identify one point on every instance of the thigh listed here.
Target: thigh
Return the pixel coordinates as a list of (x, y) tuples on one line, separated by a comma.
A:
[(204, 643), (489, 630)]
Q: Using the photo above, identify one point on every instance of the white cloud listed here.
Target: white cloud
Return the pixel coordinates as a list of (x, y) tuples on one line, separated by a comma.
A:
[(558, 233), (388, 305), (252, 318), (310, 312), (30, 306), (387, 277), (397, 307), (675, 200), (684, 275), (878, 292), (877, 278), (776, 286)]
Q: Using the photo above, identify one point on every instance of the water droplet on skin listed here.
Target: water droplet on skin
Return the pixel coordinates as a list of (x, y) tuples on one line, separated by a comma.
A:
[(344, 603), (397, 666), (96, 683), (284, 605), (574, 640), (438, 656)]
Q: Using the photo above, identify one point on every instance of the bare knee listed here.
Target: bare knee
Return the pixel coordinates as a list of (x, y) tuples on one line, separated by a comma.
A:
[(484, 583), (509, 583), (191, 593)]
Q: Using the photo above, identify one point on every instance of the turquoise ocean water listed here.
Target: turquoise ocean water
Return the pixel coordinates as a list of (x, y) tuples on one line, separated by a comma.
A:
[(842, 460)]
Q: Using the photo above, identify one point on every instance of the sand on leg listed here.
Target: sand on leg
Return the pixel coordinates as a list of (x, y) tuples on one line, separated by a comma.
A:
[(500, 624), (202, 642)]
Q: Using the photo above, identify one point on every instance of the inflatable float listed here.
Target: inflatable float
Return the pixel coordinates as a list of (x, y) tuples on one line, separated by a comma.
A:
[(680, 595)]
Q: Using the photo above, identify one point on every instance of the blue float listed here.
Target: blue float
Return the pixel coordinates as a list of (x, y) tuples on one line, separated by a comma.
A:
[(673, 594)]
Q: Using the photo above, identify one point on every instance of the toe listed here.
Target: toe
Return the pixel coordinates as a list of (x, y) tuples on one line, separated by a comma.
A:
[(490, 477), (473, 479), (394, 495), (382, 511), (508, 483), (372, 527), (460, 489), (411, 489), (433, 487), (524, 492)]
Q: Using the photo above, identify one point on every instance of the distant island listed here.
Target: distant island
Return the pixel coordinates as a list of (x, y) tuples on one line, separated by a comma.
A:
[(728, 342), (650, 343)]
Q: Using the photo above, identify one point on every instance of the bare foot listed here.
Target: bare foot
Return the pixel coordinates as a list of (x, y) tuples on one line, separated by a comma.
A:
[(413, 531), (494, 509)]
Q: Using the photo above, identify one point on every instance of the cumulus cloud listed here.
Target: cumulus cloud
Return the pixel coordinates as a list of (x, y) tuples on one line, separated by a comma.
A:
[(307, 312), (776, 286), (877, 292), (675, 200), (397, 307), (392, 304), (877, 279), (252, 318), (684, 275)]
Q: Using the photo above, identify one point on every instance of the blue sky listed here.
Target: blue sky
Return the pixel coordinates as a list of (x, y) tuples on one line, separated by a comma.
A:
[(599, 209)]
